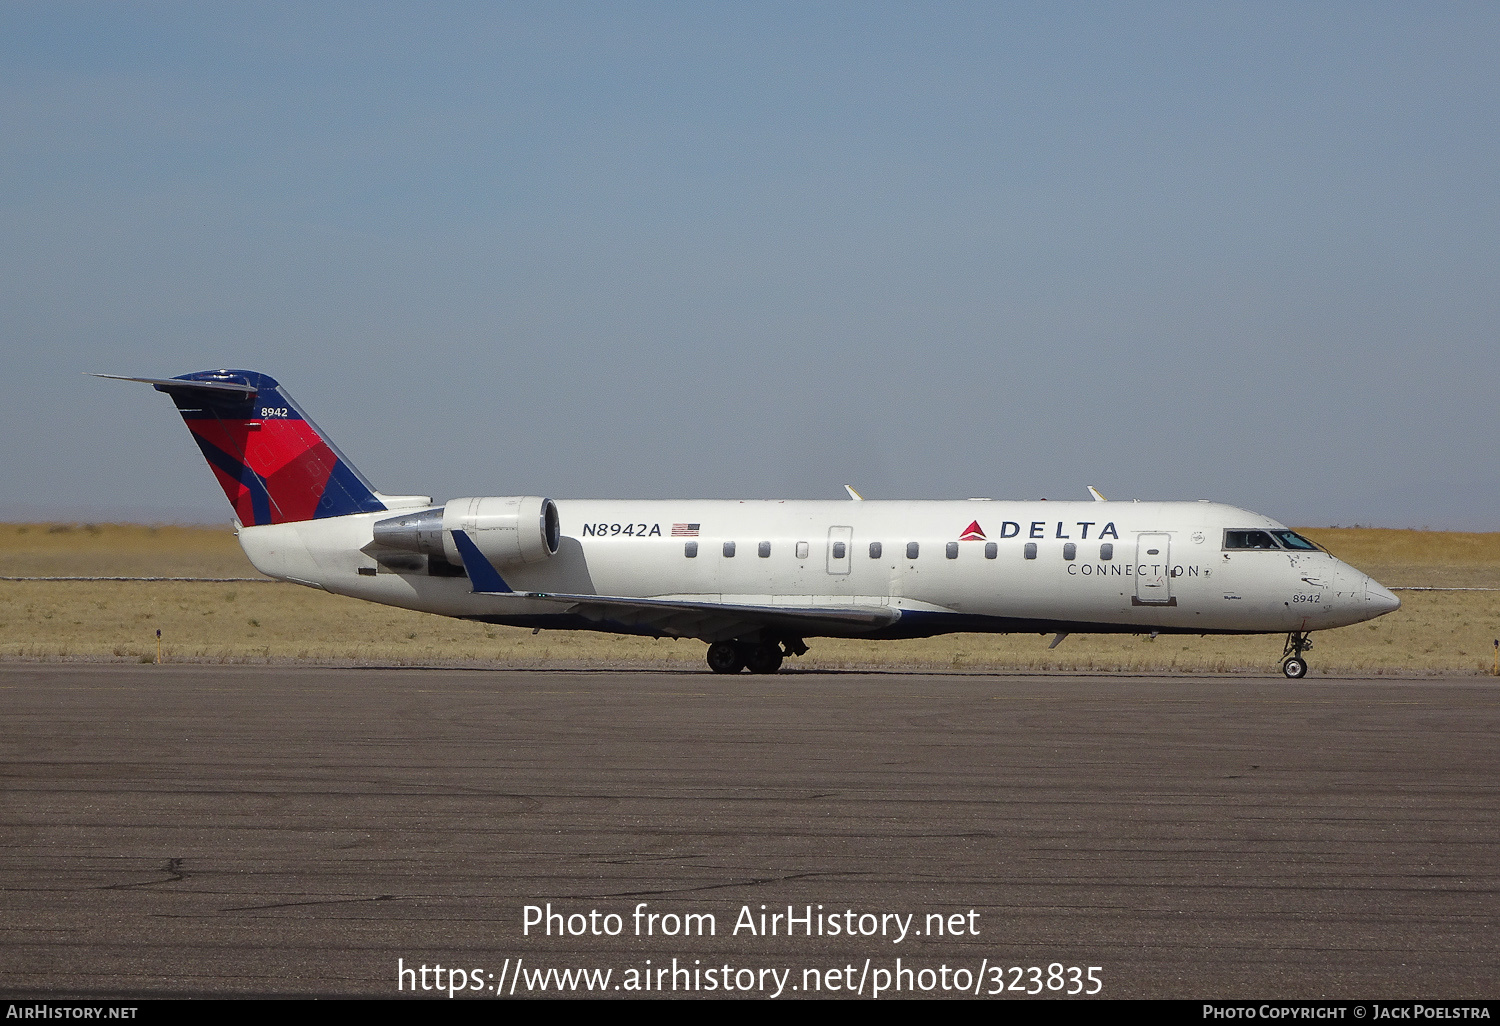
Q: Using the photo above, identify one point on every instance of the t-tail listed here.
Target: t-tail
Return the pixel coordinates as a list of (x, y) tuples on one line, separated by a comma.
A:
[(275, 465)]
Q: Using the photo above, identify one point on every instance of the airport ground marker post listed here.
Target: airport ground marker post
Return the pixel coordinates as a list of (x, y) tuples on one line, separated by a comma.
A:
[(158, 646)]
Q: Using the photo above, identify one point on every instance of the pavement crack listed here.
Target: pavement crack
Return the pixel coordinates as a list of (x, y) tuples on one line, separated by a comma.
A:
[(302, 904), (174, 872), (752, 882)]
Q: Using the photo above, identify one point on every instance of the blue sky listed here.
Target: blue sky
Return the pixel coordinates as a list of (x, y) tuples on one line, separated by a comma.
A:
[(1237, 251)]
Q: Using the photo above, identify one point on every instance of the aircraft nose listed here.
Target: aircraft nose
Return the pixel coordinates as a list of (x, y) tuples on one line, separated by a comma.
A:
[(1379, 598)]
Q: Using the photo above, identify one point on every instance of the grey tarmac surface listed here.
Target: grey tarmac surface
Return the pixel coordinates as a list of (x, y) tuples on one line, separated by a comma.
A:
[(205, 830)]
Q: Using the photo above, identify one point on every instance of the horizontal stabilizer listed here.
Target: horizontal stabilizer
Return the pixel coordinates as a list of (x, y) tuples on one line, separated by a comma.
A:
[(224, 388)]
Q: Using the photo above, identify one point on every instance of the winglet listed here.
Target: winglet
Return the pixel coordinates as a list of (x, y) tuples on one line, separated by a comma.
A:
[(1095, 493), (853, 494), (482, 573)]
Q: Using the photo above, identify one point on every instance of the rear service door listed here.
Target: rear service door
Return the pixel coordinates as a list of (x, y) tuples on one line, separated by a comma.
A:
[(1153, 570)]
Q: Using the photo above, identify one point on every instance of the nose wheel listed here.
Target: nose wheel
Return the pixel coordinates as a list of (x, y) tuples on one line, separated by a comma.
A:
[(1292, 662)]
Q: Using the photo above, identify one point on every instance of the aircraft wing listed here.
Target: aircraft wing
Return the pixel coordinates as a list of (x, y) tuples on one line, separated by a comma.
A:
[(715, 621), (687, 618)]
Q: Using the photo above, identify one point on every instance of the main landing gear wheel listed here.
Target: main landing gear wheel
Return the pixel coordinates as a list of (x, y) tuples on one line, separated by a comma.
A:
[(763, 658), (725, 657), (1295, 668)]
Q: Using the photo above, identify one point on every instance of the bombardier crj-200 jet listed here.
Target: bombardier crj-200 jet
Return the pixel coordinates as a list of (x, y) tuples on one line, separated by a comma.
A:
[(755, 579)]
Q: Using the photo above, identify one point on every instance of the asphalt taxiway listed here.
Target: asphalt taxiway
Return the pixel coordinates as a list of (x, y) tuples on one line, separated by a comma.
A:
[(207, 830)]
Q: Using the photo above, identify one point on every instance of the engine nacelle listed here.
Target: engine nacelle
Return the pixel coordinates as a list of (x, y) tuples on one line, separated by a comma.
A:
[(508, 529)]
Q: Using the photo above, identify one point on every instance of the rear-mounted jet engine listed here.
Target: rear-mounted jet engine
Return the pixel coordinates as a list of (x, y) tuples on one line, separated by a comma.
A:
[(509, 529)]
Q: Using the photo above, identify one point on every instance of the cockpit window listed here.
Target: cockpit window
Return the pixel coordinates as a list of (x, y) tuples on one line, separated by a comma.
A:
[(1293, 540), (1249, 540)]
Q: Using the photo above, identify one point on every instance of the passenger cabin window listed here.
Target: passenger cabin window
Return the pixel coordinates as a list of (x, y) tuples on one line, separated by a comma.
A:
[(991, 550), (952, 550), (690, 550), (839, 550), (764, 550), (1070, 552), (729, 550), (802, 550), (912, 548), (1107, 551), (874, 550), (1293, 540), (1249, 540), (1030, 551)]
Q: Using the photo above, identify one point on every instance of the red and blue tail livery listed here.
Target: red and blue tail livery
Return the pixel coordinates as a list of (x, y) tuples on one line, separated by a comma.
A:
[(272, 461)]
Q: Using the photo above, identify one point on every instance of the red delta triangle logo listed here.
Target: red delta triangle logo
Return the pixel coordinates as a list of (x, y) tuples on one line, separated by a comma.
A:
[(972, 533)]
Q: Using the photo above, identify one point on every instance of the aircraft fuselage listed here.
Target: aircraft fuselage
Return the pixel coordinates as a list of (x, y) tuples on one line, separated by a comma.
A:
[(943, 565), (754, 578)]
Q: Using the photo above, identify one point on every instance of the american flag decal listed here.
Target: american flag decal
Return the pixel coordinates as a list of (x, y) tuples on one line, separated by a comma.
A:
[(684, 530)]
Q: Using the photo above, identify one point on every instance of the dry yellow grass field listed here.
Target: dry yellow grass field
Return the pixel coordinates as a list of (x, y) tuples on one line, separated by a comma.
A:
[(263, 621), (120, 550)]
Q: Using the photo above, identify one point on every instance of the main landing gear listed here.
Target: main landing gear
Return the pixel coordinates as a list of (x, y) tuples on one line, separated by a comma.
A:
[(1292, 663), (756, 656)]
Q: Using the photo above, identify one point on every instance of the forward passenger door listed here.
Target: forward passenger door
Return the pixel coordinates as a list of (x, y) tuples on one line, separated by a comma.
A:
[(1153, 570)]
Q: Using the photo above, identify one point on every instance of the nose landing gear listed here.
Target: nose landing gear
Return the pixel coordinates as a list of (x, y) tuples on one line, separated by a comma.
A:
[(1292, 663)]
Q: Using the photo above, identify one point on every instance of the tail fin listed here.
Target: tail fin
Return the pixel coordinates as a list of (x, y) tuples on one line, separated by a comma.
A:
[(272, 461)]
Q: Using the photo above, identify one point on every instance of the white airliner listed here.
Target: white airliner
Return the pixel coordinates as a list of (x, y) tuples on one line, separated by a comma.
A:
[(755, 578)]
